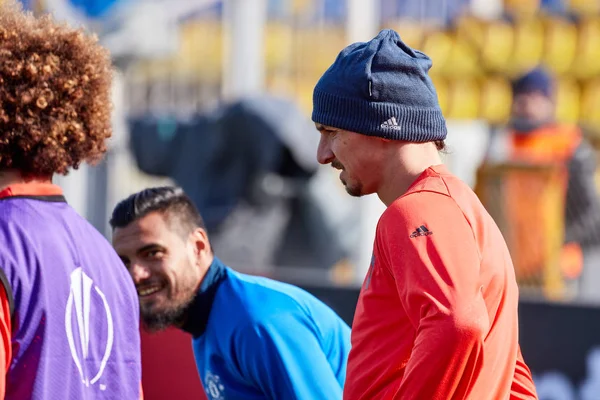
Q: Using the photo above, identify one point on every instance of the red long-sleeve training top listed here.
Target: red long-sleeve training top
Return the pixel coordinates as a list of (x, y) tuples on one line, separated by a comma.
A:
[(437, 314)]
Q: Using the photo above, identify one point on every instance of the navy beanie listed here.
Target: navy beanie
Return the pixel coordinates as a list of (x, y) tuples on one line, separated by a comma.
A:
[(380, 88), (536, 80)]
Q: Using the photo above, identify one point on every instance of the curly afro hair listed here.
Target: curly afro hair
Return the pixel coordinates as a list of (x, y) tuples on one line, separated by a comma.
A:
[(55, 108)]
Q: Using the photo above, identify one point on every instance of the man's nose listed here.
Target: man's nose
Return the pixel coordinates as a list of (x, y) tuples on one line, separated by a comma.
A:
[(324, 153), (139, 273)]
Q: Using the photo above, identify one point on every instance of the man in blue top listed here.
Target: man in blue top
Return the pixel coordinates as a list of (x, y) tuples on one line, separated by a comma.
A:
[(253, 338)]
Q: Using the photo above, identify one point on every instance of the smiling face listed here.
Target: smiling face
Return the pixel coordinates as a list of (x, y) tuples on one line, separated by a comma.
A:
[(360, 158), (166, 264)]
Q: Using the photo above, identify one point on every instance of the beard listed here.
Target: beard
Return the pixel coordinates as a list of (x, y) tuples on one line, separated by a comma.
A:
[(355, 190), (352, 190), (172, 308), (154, 320)]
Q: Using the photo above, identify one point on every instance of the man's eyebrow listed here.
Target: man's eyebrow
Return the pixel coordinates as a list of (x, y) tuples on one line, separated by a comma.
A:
[(149, 247)]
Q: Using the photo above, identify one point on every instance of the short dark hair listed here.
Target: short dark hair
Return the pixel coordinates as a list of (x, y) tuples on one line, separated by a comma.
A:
[(440, 145), (168, 200)]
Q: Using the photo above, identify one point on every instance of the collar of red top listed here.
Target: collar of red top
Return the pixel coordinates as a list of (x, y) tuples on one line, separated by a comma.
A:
[(439, 169), (31, 190), (433, 171)]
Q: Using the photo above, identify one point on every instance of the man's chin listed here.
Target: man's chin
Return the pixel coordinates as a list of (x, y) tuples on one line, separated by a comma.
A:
[(354, 191), (158, 320)]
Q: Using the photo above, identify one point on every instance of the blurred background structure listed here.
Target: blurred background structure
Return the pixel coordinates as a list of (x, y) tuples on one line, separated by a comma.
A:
[(216, 95)]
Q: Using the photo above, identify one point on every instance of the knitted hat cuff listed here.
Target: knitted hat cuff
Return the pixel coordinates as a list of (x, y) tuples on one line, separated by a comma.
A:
[(386, 120)]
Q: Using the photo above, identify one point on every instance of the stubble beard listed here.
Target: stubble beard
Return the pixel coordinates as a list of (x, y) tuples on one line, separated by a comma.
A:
[(354, 191), (173, 315)]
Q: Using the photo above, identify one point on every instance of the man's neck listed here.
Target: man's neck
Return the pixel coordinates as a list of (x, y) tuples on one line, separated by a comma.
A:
[(184, 317), (13, 177), (197, 313), (406, 164), (204, 270)]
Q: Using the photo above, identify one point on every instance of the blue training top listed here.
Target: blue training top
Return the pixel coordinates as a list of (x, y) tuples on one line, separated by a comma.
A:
[(256, 338)]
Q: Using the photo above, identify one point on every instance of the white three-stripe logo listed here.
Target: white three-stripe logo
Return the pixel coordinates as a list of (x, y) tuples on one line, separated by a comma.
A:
[(391, 123)]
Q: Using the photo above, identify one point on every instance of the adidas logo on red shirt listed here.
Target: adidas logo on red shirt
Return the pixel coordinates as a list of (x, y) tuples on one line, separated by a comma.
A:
[(421, 231)]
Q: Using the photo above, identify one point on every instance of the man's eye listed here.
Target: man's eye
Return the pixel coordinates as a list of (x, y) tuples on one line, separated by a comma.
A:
[(155, 254)]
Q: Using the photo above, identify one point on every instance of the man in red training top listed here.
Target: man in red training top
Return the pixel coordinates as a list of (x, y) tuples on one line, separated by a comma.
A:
[(437, 314)]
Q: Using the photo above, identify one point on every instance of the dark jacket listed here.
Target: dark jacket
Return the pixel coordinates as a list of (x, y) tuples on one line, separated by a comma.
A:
[(246, 166)]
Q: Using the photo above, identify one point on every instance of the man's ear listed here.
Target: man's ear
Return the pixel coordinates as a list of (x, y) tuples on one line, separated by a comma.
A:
[(201, 242)]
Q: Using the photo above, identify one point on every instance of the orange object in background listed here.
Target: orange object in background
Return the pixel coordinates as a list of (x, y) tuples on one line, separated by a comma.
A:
[(571, 260), (552, 144), (526, 195), (168, 367)]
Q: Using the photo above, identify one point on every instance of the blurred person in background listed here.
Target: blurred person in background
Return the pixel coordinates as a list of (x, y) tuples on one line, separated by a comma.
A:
[(249, 167), (68, 309), (533, 136), (437, 313), (253, 338)]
